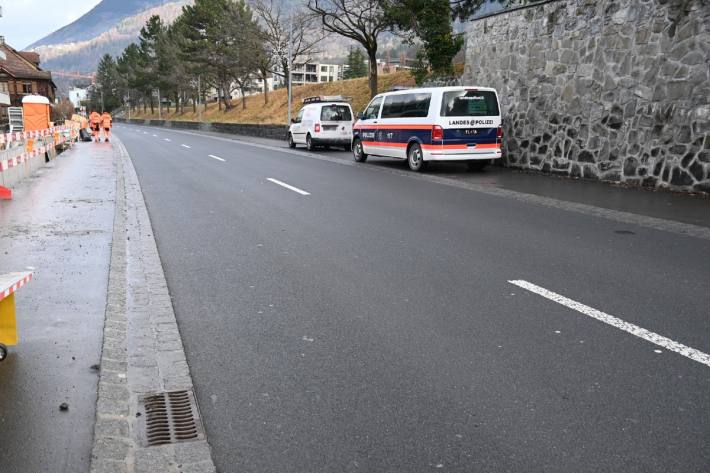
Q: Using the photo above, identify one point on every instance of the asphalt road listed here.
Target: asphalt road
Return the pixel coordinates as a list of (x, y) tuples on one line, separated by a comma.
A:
[(370, 326)]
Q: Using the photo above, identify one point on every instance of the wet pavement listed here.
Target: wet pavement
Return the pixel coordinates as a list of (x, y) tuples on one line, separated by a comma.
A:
[(60, 222), (680, 207)]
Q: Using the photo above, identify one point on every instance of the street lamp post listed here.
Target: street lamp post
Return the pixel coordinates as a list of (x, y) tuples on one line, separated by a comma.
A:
[(290, 67)]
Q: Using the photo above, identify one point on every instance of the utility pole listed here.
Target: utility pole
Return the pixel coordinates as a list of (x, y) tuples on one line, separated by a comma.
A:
[(102, 100), (290, 68), (129, 105), (160, 104), (199, 98)]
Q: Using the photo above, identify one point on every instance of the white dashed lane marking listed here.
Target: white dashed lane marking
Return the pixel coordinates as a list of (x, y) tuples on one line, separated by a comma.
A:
[(288, 186), (185, 146), (660, 340), (216, 157)]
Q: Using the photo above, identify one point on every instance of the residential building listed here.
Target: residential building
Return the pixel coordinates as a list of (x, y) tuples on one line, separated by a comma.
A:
[(21, 75), (78, 95), (313, 73)]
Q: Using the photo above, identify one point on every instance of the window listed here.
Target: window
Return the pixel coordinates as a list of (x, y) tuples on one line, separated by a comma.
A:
[(335, 113), (406, 106), (373, 110), (27, 87), (299, 117), (469, 103), (3, 87), (311, 68), (324, 78), (324, 68)]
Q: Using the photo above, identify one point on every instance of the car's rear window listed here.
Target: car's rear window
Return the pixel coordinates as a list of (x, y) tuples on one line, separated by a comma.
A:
[(335, 113), (469, 103)]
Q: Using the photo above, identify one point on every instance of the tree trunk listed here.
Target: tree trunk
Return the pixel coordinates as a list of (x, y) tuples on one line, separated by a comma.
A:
[(194, 105), (287, 76), (372, 53), (244, 99), (264, 77)]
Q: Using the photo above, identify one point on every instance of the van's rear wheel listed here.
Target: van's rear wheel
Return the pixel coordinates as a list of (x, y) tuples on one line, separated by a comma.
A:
[(415, 158), (309, 143), (477, 166), (358, 151)]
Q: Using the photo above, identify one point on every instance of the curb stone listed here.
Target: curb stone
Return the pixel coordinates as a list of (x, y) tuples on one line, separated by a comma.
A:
[(142, 349)]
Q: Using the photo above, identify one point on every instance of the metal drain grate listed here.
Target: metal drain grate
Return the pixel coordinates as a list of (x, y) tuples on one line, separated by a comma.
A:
[(170, 417)]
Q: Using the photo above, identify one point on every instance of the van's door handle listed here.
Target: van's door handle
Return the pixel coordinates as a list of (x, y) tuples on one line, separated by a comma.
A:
[(374, 121)]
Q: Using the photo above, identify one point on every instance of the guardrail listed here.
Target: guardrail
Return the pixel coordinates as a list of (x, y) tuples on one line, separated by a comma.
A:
[(20, 152)]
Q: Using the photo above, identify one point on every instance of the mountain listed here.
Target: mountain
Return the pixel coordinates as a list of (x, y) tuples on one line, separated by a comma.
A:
[(82, 56), (98, 20)]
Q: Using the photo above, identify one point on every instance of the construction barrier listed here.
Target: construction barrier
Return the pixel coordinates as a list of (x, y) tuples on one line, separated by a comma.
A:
[(22, 152), (9, 284)]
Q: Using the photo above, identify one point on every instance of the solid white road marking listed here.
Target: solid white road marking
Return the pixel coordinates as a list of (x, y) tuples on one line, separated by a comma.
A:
[(155, 136), (216, 157), (185, 146), (166, 139), (635, 330), (287, 186)]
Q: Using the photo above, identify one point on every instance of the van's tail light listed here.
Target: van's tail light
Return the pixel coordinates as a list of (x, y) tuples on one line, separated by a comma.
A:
[(499, 133), (437, 133), (317, 128)]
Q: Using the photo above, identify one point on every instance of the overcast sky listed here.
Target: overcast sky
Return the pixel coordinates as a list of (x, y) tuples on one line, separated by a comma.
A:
[(25, 21)]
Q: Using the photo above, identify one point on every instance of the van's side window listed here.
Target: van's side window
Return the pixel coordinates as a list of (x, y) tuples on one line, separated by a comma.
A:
[(373, 109), (469, 103), (299, 117), (406, 106)]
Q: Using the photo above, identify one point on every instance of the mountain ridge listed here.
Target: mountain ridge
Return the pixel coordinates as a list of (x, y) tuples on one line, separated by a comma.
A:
[(104, 16)]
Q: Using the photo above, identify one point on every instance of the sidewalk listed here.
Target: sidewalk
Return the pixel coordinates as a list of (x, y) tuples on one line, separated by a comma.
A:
[(96, 325), (60, 222), (661, 204)]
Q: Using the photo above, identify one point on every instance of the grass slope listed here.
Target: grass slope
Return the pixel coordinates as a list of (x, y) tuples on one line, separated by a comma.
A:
[(276, 111)]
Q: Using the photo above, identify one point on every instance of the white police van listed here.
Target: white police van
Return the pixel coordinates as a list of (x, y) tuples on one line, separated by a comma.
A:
[(431, 124), (323, 121)]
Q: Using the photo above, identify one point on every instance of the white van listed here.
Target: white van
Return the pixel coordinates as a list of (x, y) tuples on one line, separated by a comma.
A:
[(431, 124), (323, 121)]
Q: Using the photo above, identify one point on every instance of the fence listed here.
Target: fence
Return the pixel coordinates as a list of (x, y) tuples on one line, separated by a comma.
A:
[(22, 152), (277, 132)]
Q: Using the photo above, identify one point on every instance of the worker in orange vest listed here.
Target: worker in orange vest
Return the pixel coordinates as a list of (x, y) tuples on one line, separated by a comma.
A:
[(95, 120), (106, 124)]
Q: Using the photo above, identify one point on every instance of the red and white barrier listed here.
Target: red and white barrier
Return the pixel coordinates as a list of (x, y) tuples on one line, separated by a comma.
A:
[(17, 150)]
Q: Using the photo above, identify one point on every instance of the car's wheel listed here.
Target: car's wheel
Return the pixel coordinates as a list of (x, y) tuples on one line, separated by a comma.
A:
[(476, 166), (358, 151), (291, 143), (415, 158), (309, 143)]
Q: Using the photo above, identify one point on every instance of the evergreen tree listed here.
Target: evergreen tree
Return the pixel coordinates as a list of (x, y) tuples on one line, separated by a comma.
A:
[(105, 95), (356, 64)]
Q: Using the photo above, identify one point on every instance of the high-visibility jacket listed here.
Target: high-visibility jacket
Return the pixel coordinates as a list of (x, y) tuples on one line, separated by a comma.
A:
[(95, 119), (106, 120)]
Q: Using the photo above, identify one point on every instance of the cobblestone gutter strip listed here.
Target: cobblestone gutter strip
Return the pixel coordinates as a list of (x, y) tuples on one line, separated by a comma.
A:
[(142, 348)]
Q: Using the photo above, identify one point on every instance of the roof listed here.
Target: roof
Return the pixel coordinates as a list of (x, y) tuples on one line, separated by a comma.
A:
[(31, 56), (35, 99), (19, 67)]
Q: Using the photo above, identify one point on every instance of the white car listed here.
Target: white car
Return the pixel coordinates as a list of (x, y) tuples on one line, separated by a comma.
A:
[(431, 124), (323, 121)]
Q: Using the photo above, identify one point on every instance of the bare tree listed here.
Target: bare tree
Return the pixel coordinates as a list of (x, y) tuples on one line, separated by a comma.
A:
[(275, 23), (360, 20)]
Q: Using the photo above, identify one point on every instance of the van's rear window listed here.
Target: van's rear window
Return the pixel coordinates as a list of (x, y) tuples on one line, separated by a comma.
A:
[(469, 103), (335, 113)]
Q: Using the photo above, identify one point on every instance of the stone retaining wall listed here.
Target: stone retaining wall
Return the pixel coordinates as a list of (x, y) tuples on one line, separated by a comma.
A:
[(617, 90), (277, 132)]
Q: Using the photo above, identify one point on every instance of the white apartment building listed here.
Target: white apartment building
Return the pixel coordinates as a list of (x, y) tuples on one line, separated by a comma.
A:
[(313, 73)]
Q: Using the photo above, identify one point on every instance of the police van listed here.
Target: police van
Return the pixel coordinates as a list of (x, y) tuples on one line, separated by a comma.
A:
[(431, 124), (323, 121)]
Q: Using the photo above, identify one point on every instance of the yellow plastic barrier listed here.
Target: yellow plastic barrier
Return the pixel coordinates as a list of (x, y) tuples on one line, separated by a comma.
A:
[(9, 284)]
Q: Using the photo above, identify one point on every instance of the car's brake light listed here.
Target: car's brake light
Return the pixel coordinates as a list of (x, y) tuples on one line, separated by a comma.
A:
[(317, 128), (437, 133), (499, 133)]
